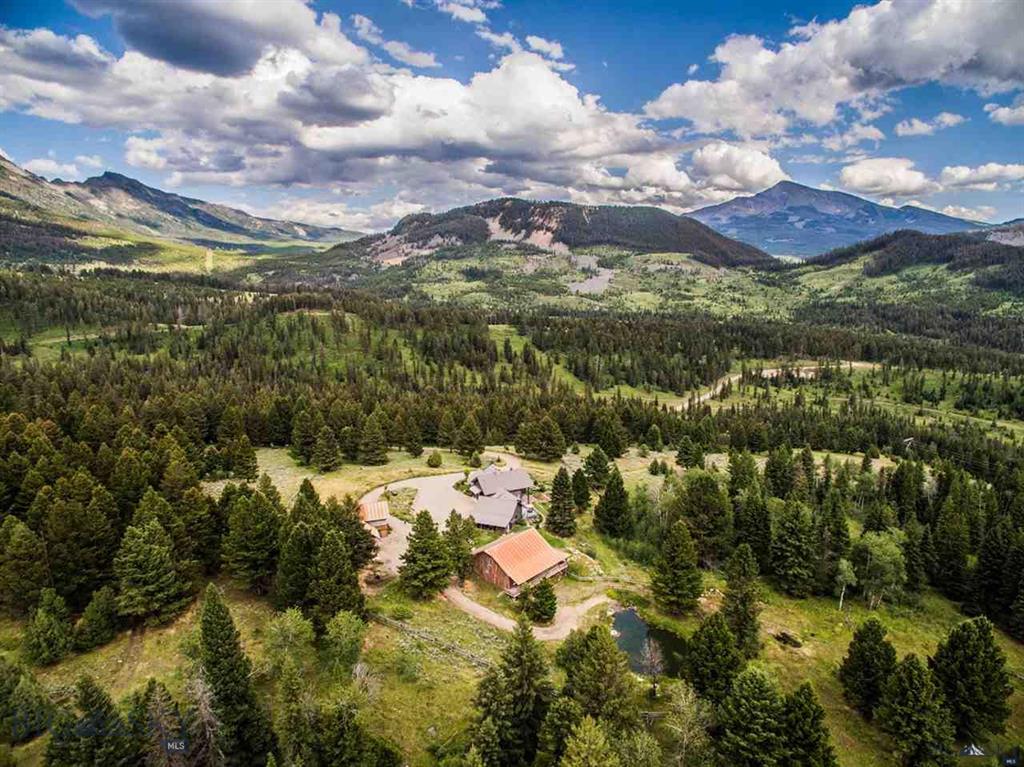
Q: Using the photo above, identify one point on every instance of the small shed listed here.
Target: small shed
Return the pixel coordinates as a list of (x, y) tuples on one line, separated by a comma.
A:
[(515, 560), (377, 515)]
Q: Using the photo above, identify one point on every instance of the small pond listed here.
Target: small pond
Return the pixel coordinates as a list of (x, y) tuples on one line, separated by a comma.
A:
[(630, 632)]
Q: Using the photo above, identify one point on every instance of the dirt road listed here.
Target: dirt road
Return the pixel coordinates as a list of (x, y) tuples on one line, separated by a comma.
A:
[(566, 619)]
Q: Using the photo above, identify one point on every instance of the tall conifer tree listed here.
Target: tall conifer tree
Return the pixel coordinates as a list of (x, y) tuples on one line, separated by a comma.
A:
[(561, 519), (676, 581), (244, 736)]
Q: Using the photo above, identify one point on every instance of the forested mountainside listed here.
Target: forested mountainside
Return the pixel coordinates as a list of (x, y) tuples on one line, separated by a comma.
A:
[(116, 200), (993, 265), (791, 219), (560, 226)]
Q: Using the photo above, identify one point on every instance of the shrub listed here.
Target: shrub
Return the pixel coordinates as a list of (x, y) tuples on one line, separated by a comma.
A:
[(343, 641), (434, 459)]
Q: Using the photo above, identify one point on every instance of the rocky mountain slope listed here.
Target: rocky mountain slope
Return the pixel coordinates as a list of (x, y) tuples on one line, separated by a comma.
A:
[(560, 227), (796, 220), (128, 204)]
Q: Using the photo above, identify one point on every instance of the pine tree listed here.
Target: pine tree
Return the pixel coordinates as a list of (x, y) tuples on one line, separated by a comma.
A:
[(988, 574), (459, 534), (334, 585), (601, 681), (707, 510), (808, 743), (676, 581), (373, 446), (242, 457), (778, 472), (413, 442), (952, 543), (580, 490), (295, 565), (608, 433), (325, 455), (689, 454), (244, 736), (542, 604), (344, 517), (793, 550), (561, 519), (540, 439), (159, 721), (1015, 624), (487, 744), (48, 638), (178, 477), (447, 430), (149, 588), (303, 435), (104, 737), (971, 671), (28, 709), (251, 545), (62, 748), (832, 540), (514, 696), (425, 567), (562, 717), (713, 660), (869, 661), (912, 711), (653, 438), (23, 571), (751, 722), (469, 439), (914, 556), (743, 476), (293, 715), (588, 746), (753, 524), (612, 514), (98, 624), (741, 604), (596, 467), (80, 542)]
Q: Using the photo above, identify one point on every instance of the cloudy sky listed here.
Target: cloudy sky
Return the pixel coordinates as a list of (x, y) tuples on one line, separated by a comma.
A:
[(355, 113)]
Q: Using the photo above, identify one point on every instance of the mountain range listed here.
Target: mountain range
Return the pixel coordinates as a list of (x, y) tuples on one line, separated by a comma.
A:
[(119, 201), (787, 219), (791, 219)]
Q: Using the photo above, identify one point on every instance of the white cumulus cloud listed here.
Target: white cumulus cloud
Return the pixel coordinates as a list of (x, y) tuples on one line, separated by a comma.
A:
[(881, 176), (979, 213), (737, 168), (1011, 115), (985, 177), (918, 127), (51, 168), (856, 61), (550, 48)]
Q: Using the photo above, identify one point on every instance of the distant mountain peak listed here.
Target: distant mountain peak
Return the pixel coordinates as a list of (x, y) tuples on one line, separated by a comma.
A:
[(798, 220)]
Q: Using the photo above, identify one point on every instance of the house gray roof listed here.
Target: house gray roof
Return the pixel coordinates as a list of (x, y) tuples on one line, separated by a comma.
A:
[(495, 510), (514, 480)]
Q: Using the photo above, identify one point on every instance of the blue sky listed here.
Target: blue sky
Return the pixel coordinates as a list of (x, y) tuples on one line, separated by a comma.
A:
[(355, 113)]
